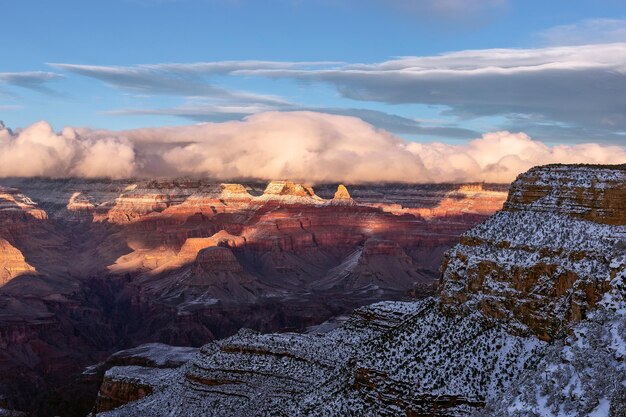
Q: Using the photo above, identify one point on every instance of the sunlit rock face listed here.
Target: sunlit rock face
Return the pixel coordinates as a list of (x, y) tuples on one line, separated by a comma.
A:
[(12, 263), (16, 206), (288, 188), (342, 196), (341, 193), (529, 321), (95, 265)]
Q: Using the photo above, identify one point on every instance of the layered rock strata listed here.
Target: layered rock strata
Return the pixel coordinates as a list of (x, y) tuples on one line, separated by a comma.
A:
[(546, 259), (529, 321), (97, 266)]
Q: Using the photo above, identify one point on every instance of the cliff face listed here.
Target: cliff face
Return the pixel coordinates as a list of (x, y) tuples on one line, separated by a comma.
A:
[(132, 374), (591, 193), (547, 258), (92, 266), (529, 321)]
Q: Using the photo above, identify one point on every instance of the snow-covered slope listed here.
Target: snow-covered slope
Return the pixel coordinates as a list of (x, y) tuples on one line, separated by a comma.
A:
[(548, 257), (529, 322), (581, 375)]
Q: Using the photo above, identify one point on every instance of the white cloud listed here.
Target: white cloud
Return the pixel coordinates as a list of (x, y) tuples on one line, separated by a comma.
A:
[(199, 111), (305, 146), (501, 156), (106, 158), (38, 151), (586, 32)]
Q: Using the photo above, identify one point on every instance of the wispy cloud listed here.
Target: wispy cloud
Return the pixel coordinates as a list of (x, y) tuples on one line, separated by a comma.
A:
[(199, 111), (457, 11), (589, 31), (188, 80), (32, 80)]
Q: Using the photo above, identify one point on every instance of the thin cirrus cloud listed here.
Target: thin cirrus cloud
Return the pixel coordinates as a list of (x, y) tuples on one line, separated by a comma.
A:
[(588, 31), (188, 80), (32, 80), (457, 11), (306, 146), (205, 111)]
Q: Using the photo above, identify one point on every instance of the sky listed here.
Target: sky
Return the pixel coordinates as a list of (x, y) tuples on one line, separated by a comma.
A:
[(433, 74)]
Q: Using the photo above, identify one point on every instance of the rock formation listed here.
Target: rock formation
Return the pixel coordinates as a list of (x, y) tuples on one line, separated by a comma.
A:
[(557, 264), (529, 321), (342, 193), (12, 263), (98, 266)]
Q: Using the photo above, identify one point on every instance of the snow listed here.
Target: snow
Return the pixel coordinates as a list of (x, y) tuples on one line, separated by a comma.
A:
[(394, 357), (602, 410)]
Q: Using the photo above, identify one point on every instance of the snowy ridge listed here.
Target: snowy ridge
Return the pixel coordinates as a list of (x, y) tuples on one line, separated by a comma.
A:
[(530, 321), (536, 271), (590, 192)]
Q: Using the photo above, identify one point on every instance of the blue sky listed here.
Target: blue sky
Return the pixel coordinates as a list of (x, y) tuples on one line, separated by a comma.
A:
[(83, 63)]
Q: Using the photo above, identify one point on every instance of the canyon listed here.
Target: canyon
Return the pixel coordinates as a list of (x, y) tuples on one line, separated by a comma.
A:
[(529, 319), (93, 267)]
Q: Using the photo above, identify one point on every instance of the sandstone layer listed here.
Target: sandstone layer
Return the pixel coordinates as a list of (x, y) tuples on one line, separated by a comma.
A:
[(529, 321), (94, 266)]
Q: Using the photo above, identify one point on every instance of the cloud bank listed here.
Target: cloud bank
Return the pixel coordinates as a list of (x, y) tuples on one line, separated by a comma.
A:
[(305, 146)]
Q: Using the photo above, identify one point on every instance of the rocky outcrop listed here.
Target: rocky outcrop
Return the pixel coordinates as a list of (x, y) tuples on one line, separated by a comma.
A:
[(132, 374), (12, 263), (217, 259), (192, 246), (139, 200), (123, 385), (529, 321), (379, 265), (583, 374), (342, 193), (546, 259), (430, 201), (121, 263), (289, 188), (387, 359), (287, 192), (594, 193), (16, 206), (342, 196)]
